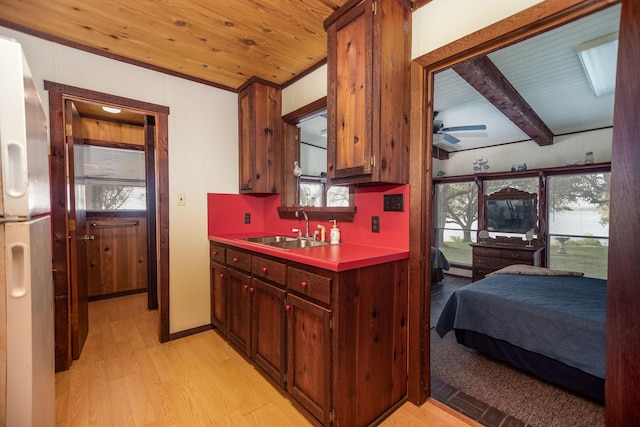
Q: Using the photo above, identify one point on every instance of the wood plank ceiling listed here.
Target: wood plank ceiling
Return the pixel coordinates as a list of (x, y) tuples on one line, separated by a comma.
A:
[(221, 43)]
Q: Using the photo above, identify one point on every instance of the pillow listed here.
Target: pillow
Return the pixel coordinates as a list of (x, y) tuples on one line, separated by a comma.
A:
[(536, 271)]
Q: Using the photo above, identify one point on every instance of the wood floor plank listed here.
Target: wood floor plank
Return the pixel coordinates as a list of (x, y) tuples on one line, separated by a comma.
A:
[(99, 399), (125, 377)]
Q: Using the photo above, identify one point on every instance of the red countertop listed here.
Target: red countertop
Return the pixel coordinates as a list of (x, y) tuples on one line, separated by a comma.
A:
[(342, 257)]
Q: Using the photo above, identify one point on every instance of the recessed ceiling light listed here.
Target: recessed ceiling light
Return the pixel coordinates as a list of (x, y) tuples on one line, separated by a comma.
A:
[(112, 110)]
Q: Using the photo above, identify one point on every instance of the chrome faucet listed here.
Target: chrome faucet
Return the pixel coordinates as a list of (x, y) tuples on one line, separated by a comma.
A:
[(306, 221)]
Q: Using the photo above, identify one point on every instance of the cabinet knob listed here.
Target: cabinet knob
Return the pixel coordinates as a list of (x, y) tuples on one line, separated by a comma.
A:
[(222, 275), (235, 259), (246, 286), (330, 166), (215, 252), (304, 284), (265, 269), (252, 290), (287, 307)]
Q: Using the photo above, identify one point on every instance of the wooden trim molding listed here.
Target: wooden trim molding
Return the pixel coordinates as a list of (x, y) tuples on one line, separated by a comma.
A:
[(192, 331), (57, 94)]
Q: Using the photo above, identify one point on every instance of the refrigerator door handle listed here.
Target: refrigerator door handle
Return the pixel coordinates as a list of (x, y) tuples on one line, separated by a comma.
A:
[(14, 169), (18, 275)]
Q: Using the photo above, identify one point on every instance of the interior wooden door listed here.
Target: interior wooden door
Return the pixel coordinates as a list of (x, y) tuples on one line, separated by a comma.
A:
[(79, 318)]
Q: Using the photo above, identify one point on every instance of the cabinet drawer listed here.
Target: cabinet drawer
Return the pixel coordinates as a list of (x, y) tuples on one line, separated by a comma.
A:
[(216, 253), (525, 257), (268, 269), (309, 284), (491, 264), (237, 259)]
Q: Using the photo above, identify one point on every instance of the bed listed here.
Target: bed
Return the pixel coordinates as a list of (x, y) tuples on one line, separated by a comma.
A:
[(550, 324), (438, 263)]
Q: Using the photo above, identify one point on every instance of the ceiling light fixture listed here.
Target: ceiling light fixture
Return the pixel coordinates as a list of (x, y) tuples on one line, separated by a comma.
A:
[(598, 58), (112, 110)]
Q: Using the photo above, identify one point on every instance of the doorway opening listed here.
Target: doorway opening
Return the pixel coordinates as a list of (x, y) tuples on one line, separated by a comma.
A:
[(91, 199)]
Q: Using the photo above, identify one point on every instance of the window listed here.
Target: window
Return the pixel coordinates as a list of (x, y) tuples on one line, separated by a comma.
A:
[(578, 223), (457, 220), (313, 193), (114, 179)]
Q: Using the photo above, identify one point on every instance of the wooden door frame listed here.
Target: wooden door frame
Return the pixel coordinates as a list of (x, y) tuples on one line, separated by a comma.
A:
[(529, 22), (57, 95)]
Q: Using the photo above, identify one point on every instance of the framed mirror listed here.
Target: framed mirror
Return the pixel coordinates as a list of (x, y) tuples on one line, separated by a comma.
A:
[(511, 211)]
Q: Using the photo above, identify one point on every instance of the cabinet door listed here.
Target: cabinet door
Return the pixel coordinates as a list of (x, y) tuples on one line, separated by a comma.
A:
[(218, 296), (239, 292), (349, 150), (309, 358), (259, 108), (246, 119), (269, 329)]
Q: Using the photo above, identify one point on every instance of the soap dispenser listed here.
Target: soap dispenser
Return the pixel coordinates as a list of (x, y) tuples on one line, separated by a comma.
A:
[(335, 233)]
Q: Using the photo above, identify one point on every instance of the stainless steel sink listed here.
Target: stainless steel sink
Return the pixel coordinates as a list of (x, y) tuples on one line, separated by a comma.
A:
[(286, 242), (270, 239)]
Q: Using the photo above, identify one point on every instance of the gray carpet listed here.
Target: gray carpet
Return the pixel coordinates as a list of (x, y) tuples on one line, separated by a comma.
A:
[(513, 392)]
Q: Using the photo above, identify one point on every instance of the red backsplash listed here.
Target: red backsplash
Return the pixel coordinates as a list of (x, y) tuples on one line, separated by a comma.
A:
[(226, 214)]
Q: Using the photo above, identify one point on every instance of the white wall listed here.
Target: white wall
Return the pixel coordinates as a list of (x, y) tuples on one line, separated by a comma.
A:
[(440, 22), (502, 157), (308, 89), (203, 153)]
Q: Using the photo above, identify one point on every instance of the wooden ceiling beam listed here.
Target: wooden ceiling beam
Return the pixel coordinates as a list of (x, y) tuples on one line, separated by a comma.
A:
[(486, 78)]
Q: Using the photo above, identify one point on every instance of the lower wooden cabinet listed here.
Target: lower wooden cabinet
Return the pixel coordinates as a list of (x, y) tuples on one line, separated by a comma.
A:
[(218, 296), (309, 358), (239, 292), (335, 341), (268, 317)]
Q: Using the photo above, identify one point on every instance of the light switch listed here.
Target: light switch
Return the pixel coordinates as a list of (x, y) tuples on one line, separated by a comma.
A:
[(182, 199)]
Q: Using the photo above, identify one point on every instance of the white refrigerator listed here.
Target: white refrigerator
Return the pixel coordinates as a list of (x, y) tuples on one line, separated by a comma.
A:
[(26, 304)]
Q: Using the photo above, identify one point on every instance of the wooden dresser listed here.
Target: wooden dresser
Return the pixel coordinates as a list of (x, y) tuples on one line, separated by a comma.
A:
[(491, 256)]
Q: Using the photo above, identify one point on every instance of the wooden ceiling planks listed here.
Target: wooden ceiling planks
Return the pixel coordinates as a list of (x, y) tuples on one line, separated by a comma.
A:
[(223, 42)]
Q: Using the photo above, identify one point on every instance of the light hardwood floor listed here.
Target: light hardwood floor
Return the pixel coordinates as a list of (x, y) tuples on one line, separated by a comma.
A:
[(125, 377)]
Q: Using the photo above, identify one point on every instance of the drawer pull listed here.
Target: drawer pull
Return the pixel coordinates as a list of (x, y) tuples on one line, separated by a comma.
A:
[(515, 254), (235, 259), (264, 270), (287, 307), (481, 261), (304, 285)]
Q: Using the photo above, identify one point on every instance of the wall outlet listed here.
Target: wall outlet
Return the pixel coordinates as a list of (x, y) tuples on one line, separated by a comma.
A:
[(393, 202), (182, 199), (375, 224), (247, 218)]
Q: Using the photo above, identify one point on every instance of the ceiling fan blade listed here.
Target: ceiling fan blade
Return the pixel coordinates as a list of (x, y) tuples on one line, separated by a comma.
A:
[(450, 138), (470, 127)]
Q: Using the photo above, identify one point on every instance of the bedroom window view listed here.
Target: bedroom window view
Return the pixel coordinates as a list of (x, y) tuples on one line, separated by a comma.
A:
[(578, 223), (457, 220), (114, 179)]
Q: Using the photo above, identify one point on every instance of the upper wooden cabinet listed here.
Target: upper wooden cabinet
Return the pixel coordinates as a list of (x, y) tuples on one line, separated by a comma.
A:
[(260, 142), (369, 92)]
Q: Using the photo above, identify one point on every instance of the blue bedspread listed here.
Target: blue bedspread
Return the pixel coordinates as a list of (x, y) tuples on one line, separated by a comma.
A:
[(561, 317)]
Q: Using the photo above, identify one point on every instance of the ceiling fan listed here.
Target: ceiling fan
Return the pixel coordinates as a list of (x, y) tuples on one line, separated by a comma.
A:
[(438, 128)]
